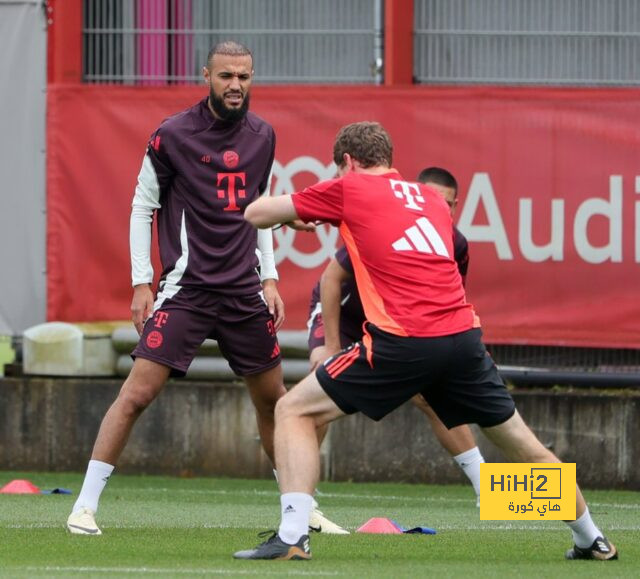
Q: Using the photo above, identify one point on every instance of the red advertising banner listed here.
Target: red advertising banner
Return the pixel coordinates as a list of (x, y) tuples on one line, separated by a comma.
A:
[(549, 196)]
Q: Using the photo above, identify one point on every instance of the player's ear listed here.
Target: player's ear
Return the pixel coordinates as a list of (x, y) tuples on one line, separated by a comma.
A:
[(206, 74)]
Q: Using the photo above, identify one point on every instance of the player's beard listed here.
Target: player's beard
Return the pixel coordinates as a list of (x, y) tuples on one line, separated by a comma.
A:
[(224, 112)]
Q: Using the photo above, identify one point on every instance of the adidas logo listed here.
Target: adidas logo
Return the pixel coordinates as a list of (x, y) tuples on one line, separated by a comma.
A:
[(289, 509), (305, 546), (602, 546), (422, 237)]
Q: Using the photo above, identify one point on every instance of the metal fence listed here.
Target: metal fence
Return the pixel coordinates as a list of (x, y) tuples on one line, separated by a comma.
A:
[(293, 41), (558, 42)]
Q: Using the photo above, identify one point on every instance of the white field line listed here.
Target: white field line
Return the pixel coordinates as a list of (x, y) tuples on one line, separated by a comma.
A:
[(615, 506), (152, 570), (480, 526), (522, 526), (355, 496)]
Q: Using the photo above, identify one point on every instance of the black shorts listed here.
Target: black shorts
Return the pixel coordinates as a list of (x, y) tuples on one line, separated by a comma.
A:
[(455, 374), (242, 326)]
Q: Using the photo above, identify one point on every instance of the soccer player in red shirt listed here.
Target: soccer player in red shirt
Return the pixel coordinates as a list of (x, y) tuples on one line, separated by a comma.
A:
[(336, 318), (421, 335)]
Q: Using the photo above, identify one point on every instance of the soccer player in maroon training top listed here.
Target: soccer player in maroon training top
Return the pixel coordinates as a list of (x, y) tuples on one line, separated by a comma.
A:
[(421, 335), (336, 318), (203, 166)]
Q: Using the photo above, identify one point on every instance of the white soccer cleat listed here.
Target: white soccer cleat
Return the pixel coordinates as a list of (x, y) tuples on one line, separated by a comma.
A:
[(83, 522), (318, 523)]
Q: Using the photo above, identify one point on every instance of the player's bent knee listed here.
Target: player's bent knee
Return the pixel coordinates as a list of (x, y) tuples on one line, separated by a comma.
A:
[(265, 390), (265, 400), (265, 407), (133, 401), (282, 408), (287, 407)]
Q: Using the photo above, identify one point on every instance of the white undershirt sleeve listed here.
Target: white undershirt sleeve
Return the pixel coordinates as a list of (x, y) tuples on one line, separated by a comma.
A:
[(145, 201), (265, 255), (265, 248)]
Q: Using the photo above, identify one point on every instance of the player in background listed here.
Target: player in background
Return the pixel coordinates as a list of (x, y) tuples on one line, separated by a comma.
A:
[(336, 318), (202, 167), (421, 335)]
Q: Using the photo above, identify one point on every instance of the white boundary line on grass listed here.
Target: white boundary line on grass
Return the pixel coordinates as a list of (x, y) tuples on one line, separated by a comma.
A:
[(481, 526), (235, 572), (321, 494), (522, 526)]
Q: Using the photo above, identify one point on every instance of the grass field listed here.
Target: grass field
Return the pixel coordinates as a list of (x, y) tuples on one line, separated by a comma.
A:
[(169, 527)]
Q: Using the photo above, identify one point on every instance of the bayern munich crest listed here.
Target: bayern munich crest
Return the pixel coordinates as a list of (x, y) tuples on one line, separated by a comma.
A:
[(154, 339), (231, 159)]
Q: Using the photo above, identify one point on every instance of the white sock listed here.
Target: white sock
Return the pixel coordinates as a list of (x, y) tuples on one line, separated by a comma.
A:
[(584, 530), (314, 504), (296, 509), (469, 461), (98, 474)]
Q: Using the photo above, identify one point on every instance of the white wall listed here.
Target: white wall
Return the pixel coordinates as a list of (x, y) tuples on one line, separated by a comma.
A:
[(23, 64)]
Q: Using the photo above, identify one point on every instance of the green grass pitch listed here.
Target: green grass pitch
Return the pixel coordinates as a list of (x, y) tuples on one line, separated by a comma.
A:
[(170, 527)]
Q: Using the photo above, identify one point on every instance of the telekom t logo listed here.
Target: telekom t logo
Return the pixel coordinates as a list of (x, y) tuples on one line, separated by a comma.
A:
[(231, 191), (160, 319), (410, 192)]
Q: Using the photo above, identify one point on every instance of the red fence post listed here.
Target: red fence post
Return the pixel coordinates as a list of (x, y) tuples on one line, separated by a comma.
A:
[(398, 42), (64, 41)]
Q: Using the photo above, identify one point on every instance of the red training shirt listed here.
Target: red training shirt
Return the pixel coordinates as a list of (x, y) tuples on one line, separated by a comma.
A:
[(399, 236)]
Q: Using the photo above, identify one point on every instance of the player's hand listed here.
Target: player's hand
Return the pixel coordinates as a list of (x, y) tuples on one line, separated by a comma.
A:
[(320, 355), (274, 302), (141, 305), (317, 357), (300, 225)]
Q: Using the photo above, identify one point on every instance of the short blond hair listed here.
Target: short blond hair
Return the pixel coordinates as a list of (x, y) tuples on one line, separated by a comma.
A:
[(367, 142)]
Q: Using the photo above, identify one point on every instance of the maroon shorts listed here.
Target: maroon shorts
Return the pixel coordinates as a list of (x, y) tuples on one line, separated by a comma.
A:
[(315, 325), (241, 325), (349, 331)]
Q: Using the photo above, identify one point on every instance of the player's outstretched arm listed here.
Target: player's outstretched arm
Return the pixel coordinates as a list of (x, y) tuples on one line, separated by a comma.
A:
[(268, 211)]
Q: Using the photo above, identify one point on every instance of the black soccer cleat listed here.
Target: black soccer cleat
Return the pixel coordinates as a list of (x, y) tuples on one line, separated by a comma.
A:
[(601, 550), (275, 548)]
